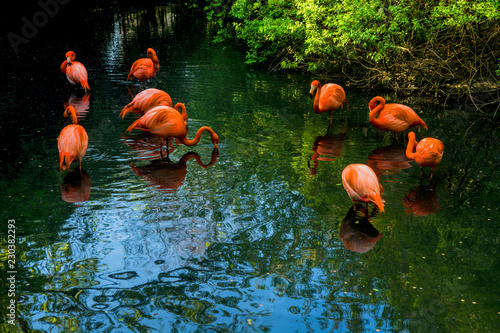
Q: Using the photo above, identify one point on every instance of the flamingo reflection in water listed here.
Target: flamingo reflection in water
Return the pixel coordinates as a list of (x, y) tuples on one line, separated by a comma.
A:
[(329, 146), (163, 173), (76, 186), (168, 176), (388, 160), (357, 232), (81, 104), (421, 201)]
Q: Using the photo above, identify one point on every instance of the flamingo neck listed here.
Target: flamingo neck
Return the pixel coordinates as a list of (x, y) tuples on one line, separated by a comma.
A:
[(316, 97), (197, 138), (183, 112), (411, 145), (375, 109), (72, 112)]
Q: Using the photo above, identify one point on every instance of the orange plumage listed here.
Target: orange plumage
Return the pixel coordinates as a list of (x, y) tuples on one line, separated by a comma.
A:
[(392, 117), (328, 97), (75, 71), (362, 185), (428, 152), (166, 122), (145, 68), (145, 100), (72, 142)]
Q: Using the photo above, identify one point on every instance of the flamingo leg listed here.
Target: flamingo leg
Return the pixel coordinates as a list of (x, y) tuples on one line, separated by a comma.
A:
[(161, 151), (168, 151)]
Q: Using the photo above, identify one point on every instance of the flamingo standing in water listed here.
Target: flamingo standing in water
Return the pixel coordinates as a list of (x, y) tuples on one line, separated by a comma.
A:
[(392, 117), (150, 98), (145, 68), (166, 122), (328, 97), (75, 71), (362, 185), (72, 142), (145, 100), (428, 152)]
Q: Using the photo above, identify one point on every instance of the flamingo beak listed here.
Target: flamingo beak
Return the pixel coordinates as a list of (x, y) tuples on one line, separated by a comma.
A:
[(311, 92), (69, 60)]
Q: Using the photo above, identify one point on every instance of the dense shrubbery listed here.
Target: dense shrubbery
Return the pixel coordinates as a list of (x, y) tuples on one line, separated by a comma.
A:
[(402, 44)]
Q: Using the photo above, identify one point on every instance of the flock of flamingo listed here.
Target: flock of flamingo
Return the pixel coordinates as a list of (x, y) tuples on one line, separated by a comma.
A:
[(359, 180), (159, 118)]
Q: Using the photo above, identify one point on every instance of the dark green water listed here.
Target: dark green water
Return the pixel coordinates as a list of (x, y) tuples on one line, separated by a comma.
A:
[(255, 241)]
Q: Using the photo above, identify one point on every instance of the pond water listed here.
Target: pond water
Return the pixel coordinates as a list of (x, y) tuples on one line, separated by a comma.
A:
[(257, 236)]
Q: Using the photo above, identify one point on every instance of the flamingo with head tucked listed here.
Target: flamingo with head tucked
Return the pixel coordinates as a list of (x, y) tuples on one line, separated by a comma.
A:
[(328, 98), (75, 71), (166, 122), (392, 117), (72, 141), (428, 152), (145, 100), (362, 185), (145, 68)]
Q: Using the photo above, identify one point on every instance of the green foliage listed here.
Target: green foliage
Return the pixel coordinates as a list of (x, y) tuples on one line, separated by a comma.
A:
[(329, 36)]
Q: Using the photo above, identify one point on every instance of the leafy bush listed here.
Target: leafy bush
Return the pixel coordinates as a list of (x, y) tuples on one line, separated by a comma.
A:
[(405, 44)]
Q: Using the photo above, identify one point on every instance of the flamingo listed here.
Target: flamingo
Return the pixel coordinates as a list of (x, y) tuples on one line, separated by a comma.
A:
[(75, 71), (146, 100), (166, 122), (145, 68), (392, 117), (362, 185), (428, 152), (328, 97), (72, 142)]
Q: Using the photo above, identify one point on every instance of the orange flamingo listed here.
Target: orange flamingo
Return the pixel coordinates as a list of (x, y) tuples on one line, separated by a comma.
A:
[(72, 142), (362, 185), (428, 152), (146, 100), (328, 97), (166, 122), (75, 71), (392, 117), (145, 68)]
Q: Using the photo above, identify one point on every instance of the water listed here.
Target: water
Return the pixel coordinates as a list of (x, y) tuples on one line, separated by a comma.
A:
[(255, 237)]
